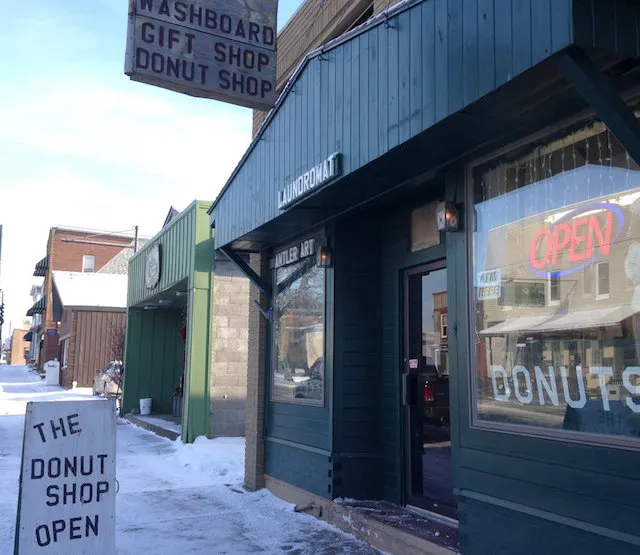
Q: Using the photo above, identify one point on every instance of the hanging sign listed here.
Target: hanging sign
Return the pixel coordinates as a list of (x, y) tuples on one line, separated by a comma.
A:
[(219, 49), (67, 494), (304, 184), (152, 266)]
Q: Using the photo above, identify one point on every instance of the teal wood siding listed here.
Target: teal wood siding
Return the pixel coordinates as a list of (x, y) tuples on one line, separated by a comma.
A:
[(385, 85), (305, 469), (177, 242), (357, 376), (154, 357), (306, 425), (608, 25), (499, 531)]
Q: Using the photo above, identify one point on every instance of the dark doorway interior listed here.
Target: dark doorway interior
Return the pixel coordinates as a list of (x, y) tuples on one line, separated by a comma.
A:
[(426, 391)]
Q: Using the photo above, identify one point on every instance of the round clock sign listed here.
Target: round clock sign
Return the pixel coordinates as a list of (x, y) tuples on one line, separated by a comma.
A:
[(152, 268)]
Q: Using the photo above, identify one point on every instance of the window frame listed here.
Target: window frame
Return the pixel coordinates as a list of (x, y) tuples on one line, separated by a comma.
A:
[(320, 239), (65, 353), (607, 295), (544, 136), (553, 281), (444, 325), (86, 257), (587, 270)]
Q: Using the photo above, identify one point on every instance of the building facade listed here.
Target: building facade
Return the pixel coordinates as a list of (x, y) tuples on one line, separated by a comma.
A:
[(187, 321), (91, 309), (36, 325), (18, 347), (441, 214), (70, 250)]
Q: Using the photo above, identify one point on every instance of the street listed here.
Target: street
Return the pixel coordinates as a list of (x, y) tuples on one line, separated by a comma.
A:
[(173, 498)]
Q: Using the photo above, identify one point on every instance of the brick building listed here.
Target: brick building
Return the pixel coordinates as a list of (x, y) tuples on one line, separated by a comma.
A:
[(71, 250), (18, 347)]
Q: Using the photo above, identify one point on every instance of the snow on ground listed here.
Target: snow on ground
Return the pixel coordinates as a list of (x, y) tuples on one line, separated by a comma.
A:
[(173, 498)]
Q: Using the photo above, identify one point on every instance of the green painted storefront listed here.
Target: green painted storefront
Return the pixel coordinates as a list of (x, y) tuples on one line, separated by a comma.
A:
[(422, 104), (155, 352)]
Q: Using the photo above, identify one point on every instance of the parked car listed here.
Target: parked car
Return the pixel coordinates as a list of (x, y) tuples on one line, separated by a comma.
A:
[(108, 380)]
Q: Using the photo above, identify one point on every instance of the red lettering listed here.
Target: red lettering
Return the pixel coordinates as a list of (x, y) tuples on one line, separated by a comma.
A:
[(604, 239), (576, 239), (581, 236), (538, 240), (559, 244)]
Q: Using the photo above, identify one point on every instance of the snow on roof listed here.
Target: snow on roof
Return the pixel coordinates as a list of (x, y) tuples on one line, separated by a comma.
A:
[(91, 289)]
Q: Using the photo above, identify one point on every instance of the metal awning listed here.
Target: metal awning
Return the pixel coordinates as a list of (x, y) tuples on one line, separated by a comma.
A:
[(28, 336), (578, 320), (41, 267), (37, 308)]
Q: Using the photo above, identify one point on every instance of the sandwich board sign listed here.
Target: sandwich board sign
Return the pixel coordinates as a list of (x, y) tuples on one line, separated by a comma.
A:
[(67, 489), (219, 49)]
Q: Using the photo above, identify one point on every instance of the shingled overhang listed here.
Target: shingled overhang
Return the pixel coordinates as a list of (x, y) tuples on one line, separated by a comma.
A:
[(38, 307), (414, 89), (41, 267)]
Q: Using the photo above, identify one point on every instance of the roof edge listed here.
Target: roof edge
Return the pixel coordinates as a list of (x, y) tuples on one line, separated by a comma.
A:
[(194, 204), (376, 20)]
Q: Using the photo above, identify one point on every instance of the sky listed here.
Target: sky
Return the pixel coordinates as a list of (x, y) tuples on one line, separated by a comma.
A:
[(83, 146)]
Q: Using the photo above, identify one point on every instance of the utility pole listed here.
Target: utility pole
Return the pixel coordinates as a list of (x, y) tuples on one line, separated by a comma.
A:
[(135, 244)]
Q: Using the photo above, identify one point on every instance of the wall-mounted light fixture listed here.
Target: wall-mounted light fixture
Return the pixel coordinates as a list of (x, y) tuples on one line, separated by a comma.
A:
[(447, 216), (182, 293), (324, 257)]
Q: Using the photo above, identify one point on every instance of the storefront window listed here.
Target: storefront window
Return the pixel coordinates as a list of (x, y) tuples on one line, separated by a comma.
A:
[(298, 326), (556, 297)]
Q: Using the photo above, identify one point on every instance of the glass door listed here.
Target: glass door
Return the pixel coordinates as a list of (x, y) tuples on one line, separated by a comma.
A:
[(426, 390)]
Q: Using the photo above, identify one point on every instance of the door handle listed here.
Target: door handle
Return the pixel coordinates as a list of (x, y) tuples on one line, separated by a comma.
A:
[(405, 389)]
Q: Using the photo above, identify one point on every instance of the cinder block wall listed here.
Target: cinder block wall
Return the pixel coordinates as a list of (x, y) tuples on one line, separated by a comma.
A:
[(230, 328)]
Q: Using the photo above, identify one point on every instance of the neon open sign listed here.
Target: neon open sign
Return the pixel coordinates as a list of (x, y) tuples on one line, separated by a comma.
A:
[(585, 238)]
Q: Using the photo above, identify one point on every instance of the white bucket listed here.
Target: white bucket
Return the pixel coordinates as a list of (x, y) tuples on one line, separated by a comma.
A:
[(145, 407)]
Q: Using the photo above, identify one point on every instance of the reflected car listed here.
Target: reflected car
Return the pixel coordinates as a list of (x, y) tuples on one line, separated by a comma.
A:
[(435, 391)]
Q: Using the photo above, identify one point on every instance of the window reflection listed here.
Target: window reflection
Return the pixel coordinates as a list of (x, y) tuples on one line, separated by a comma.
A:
[(557, 287), (298, 328)]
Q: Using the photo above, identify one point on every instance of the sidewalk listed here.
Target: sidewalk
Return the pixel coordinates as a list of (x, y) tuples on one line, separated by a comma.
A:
[(173, 498)]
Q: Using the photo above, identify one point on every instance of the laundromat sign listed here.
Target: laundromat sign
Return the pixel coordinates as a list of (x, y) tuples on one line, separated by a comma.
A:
[(219, 49), (575, 240), (304, 184)]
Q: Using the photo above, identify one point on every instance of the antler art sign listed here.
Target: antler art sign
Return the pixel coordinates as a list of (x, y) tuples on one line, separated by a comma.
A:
[(219, 49)]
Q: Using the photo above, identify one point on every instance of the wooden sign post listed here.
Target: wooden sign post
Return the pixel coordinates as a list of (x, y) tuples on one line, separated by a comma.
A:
[(66, 502)]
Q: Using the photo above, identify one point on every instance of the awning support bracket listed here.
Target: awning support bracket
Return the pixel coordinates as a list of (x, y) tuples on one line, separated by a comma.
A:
[(254, 278), (601, 94), (268, 313)]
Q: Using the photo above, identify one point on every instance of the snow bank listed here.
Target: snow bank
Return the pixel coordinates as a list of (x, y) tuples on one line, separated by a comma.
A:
[(212, 458)]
